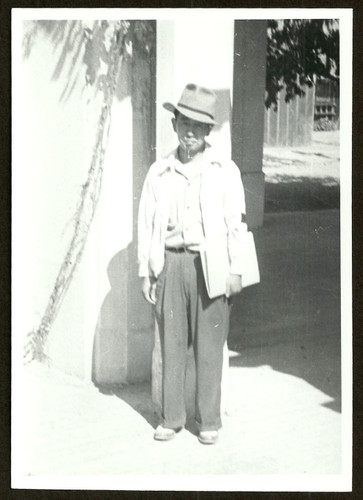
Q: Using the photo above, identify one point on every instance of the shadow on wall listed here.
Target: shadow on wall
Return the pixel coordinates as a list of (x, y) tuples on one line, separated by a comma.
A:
[(79, 45), (223, 108), (124, 333), (109, 348)]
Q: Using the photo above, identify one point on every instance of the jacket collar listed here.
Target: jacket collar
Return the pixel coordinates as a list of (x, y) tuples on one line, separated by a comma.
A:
[(210, 155)]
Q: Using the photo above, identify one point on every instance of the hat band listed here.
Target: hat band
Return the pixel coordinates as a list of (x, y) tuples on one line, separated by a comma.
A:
[(196, 110)]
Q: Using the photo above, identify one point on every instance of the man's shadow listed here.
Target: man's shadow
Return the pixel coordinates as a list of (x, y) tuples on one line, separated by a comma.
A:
[(111, 344)]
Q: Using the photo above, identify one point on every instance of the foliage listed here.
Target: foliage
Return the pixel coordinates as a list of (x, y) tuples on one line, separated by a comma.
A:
[(142, 35), (300, 51)]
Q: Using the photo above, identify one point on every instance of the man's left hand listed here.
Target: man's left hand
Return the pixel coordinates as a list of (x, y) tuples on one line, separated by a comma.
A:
[(233, 285)]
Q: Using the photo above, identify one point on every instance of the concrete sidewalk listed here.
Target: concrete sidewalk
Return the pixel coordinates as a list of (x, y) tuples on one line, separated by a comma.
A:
[(283, 401)]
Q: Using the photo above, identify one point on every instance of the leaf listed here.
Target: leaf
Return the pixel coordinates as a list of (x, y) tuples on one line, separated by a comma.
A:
[(298, 51)]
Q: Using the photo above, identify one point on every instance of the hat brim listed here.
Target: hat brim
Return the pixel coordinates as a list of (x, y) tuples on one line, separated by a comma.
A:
[(193, 115)]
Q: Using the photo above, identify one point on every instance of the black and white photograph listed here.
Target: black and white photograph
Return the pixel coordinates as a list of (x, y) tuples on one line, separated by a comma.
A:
[(181, 249)]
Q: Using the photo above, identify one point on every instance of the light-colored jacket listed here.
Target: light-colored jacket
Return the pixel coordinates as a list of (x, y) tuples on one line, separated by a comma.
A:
[(222, 203)]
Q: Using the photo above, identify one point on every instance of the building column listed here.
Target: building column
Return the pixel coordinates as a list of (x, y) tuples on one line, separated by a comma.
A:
[(125, 332), (249, 111)]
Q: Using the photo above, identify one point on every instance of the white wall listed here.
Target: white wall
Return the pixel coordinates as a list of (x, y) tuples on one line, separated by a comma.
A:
[(53, 140)]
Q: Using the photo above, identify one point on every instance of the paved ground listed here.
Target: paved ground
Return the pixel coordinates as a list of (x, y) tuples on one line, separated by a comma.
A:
[(283, 401)]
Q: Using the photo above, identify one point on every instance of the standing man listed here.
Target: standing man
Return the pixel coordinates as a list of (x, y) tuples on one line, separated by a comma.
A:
[(191, 200)]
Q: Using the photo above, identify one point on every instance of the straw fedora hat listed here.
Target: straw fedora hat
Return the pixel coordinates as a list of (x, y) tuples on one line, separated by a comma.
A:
[(197, 103)]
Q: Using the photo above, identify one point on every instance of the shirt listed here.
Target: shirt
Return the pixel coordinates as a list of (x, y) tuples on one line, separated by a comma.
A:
[(222, 205), (185, 226)]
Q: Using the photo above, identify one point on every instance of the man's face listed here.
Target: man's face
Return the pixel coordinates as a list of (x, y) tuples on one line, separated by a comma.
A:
[(191, 134)]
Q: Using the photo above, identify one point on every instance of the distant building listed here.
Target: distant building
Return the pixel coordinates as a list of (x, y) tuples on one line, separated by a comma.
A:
[(292, 123), (326, 100)]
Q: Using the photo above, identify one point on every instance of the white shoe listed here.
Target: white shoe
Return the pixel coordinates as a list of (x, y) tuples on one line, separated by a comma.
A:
[(208, 437), (164, 433)]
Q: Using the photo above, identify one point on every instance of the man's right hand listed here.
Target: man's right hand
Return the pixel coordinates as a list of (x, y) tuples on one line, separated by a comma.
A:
[(148, 288)]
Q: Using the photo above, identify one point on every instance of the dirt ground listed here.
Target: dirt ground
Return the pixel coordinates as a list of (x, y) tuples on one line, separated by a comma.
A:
[(303, 177), (298, 331), (291, 320), (284, 411), (283, 391)]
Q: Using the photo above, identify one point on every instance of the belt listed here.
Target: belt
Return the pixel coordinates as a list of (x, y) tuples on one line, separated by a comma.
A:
[(181, 250)]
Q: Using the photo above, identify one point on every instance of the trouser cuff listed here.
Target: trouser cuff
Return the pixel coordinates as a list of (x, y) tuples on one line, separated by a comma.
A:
[(208, 427), (176, 424)]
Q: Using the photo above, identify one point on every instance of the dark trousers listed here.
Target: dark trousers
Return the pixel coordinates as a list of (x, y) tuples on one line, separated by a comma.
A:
[(186, 315)]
